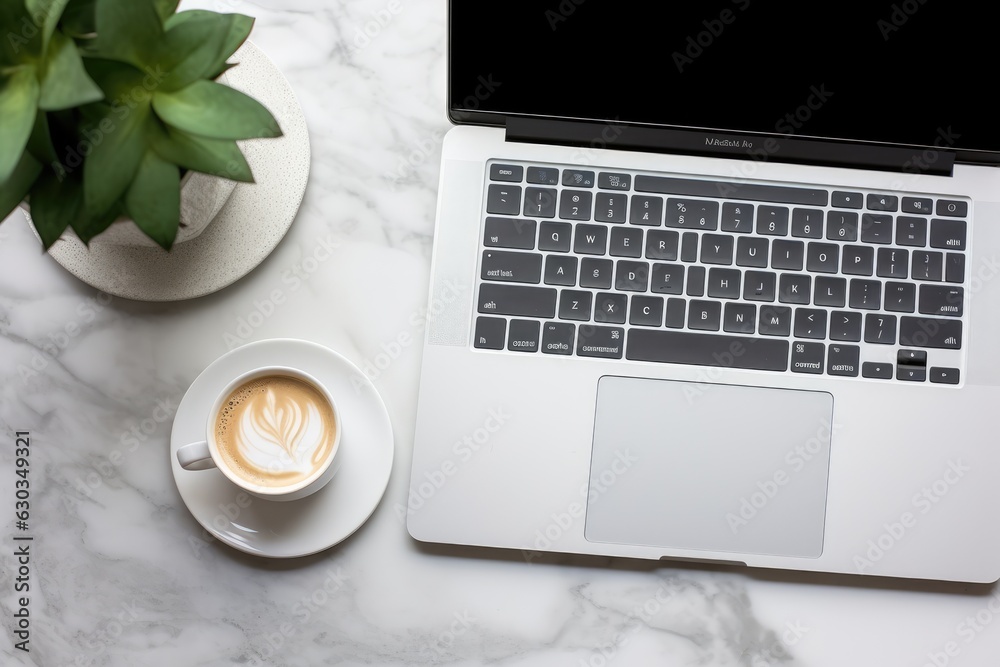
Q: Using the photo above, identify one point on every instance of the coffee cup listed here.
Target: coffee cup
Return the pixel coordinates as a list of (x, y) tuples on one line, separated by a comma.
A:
[(274, 432)]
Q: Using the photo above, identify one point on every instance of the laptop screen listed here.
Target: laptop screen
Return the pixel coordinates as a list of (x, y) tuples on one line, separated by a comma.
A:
[(887, 72)]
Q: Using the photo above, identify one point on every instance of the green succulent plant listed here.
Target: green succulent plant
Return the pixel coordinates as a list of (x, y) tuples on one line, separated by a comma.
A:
[(105, 104)]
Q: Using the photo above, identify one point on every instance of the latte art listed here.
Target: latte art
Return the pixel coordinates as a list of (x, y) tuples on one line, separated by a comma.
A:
[(276, 431)]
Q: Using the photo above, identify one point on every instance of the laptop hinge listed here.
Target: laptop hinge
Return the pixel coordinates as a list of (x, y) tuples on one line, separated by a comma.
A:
[(761, 148)]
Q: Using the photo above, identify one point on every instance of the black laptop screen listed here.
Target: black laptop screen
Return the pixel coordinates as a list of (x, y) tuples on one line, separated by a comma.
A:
[(890, 72)]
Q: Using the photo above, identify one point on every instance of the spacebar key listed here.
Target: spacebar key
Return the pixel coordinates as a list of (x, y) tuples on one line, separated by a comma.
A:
[(517, 301), (681, 347)]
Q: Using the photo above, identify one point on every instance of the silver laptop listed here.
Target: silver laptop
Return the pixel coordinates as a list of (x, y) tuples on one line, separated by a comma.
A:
[(717, 284)]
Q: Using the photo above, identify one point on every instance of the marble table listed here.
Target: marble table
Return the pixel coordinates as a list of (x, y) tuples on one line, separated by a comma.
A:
[(121, 574)]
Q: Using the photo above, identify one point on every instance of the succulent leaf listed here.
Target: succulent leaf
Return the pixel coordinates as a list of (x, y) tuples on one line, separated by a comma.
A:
[(65, 83), (46, 14), (218, 157), (192, 50), (154, 199), (40, 142), (209, 109), (16, 188), (88, 225), (117, 146), (18, 104), (237, 28), (165, 8), (55, 203), (128, 31), (22, 39), (79, 18)]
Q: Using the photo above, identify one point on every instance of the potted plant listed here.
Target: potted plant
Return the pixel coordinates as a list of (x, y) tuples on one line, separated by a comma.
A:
[(112, 115)]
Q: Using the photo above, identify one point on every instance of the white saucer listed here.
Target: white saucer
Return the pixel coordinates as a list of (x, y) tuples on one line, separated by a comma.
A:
[(248, 228), (300, 527)]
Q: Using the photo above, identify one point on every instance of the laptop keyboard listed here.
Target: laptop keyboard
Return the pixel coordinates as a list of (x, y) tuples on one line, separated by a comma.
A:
[(659, 268)]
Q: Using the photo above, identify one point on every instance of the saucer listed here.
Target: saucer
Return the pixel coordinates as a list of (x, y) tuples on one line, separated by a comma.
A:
[(314, 523), (246, 230)]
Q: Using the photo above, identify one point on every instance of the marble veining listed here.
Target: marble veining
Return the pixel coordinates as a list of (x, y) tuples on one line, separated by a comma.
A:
[(122, 574)]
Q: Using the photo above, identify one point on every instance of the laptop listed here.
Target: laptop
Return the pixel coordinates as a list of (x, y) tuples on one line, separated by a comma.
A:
[(716, 283)]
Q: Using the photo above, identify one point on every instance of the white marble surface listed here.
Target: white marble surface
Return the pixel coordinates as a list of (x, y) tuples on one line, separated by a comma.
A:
[(121, 573)]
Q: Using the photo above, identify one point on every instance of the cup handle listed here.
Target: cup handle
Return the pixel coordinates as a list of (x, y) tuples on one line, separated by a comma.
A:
[(195, 456)]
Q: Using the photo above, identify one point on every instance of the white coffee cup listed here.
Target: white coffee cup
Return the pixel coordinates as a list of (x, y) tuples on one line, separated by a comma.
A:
[(206, 454)]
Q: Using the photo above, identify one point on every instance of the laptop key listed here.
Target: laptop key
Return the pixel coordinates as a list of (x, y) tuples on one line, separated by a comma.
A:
[(540, 202), (942, 300), (772, 220), (724, 283), (610, 207), (575, 305), (752, 251), (704, 315), (739, 318), (911, 357), (843, 360), (610, 308), (575, 204), (716, 249), (591, 240), (737, 217), (911, 231), (696, 281), (841, 226), (866, 294), (692, 214), (662, 244), (503, 199), (830, 291), (646, 311), (668, 279), (613, 181), (523, 336), (845, 326), (949, 234), (512, 267), (510, 233), (918, 205), (876, 228), (560, 270), (944, 334), (823, 258), (941, 375), (954, 267), (952, 208), (689, 247), (578, 178), (558, 338), (733, 190), (808, 357), (490, 333), (684, 347), (543, 175), (858, 260), (596, 273), (759, 286), (880, 329), (787, 255), (883, 202), (794, 288), (601, 342), (810, 323), (842, 199), (893, 263), (555, 236), (517, 300), (646, 211), (632, 276), (876, 370), (807, 223), (927, 265), (506, 172), (676, 309), (626, 242), (775, 321), (900, 297), (911, 374)]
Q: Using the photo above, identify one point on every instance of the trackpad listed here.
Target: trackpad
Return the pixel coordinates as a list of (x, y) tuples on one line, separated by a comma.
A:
[(710, 467)]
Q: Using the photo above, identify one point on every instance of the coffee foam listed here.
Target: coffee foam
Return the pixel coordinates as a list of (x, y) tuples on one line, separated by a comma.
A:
[(275, 431)]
